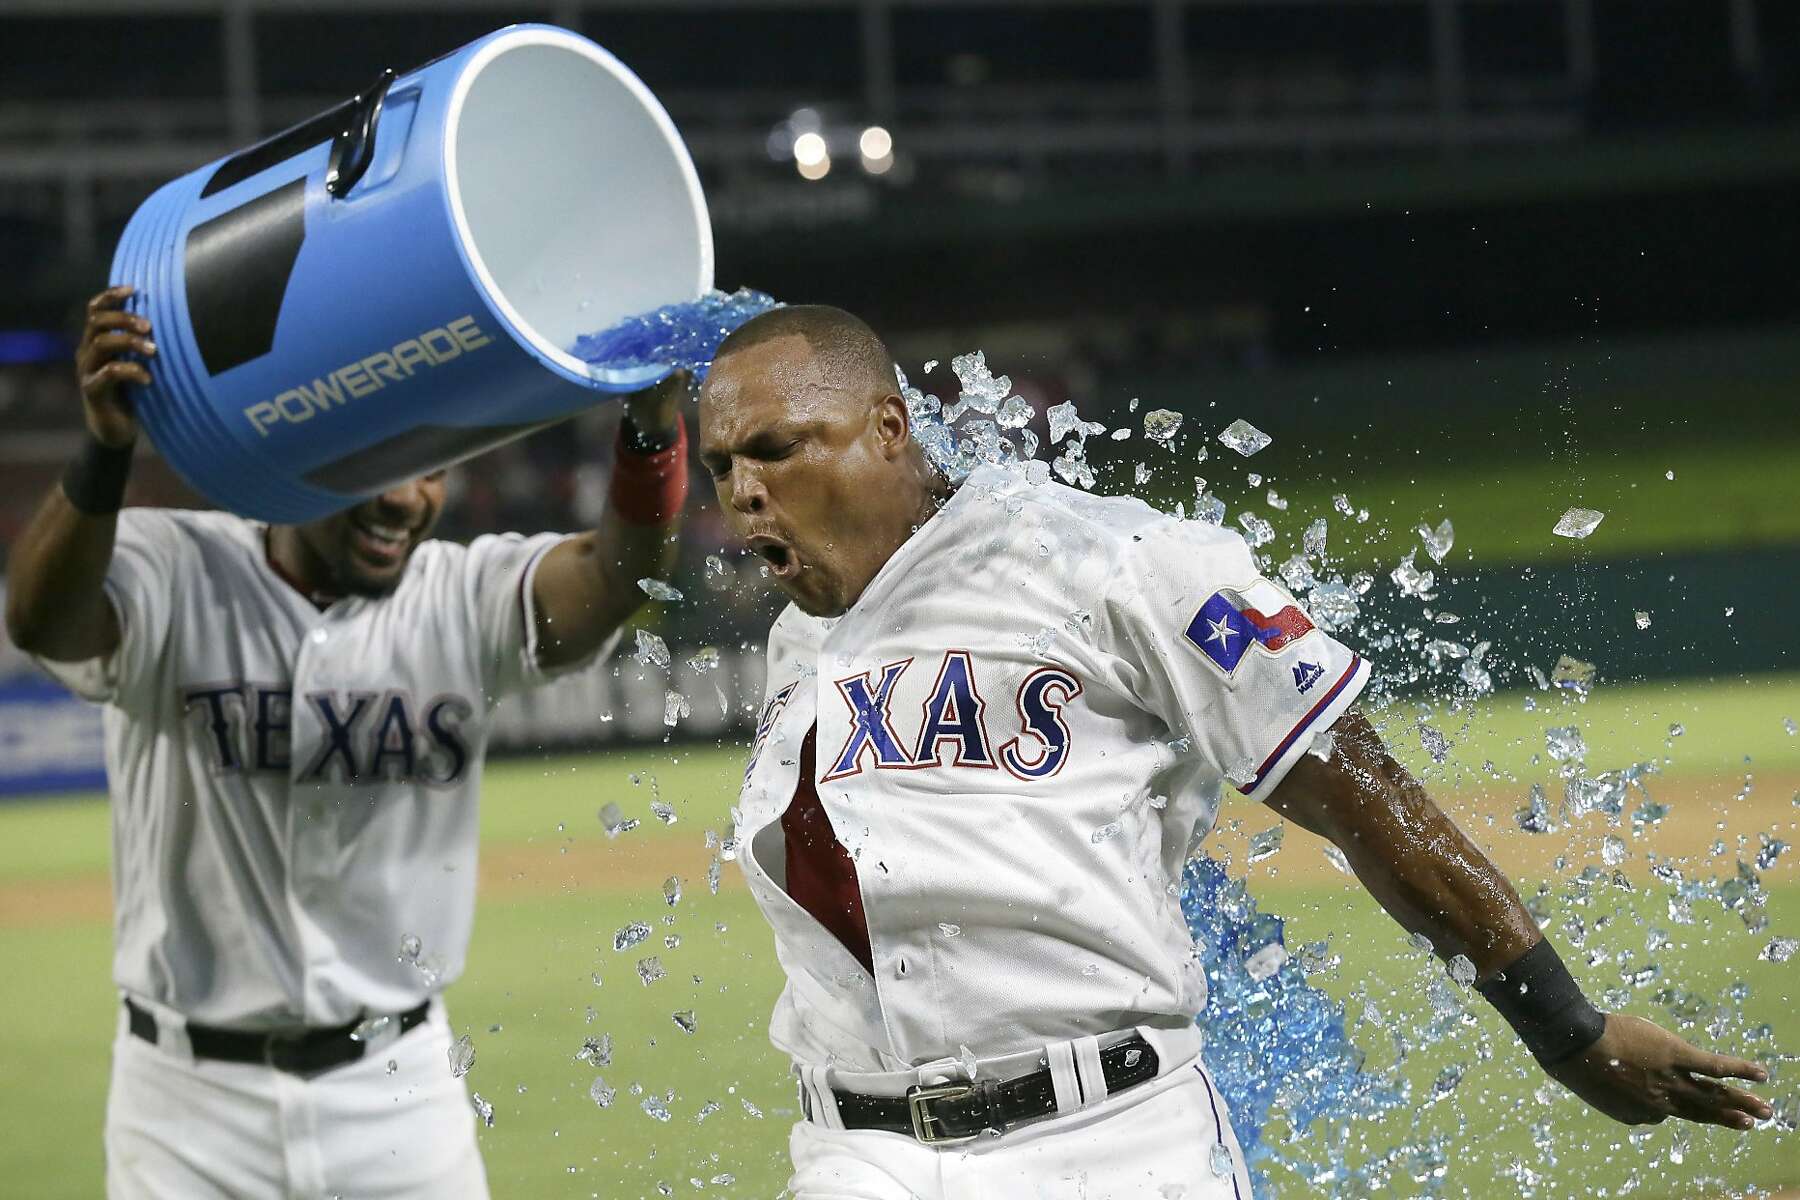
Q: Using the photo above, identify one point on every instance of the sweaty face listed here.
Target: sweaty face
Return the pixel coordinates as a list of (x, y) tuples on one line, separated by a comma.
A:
[(362, 551), (807, 470)]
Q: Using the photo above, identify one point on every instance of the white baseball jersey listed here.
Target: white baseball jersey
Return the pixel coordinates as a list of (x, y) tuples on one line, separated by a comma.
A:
[(1021, 724), (294, 790)]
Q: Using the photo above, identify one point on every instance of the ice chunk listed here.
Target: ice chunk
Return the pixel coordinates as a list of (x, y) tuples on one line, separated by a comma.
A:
[(704, 659), (1266, 843), (1063, 421), (1105, 833), (1161, 425), (1434, 742), (1779, 950), (1016, 413), (663, 811), (1565, 743), (675, 707), (655, 1107), (614, 820), (948, 929), (650, 970), (461, 1055), (1332, 605), (1312, 543), (686, 1020), (1535, 817), (672, 890), (600, 1094), (656, 589), (1462, 970), (1244, 437), (410, 946), (1641, 618), (1297, 573), (1336, 858), (1573, 674), (1438, 541), (1410, 579), (1612, 850), (982, 390), (1577, 523), (1208, 508), (631, 935), (483, 1109), (1266, 961), (1257, 531), (652, 651)]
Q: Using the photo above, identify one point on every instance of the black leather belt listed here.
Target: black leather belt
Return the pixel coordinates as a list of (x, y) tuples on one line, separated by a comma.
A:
[(960, 1112), (299, 1052)]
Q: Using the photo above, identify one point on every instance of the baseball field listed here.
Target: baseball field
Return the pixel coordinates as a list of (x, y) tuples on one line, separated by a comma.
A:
[(543, 975)]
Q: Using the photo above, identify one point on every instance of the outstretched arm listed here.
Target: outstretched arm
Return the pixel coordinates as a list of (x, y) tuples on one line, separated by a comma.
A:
[(1432, 880), (587, 586)]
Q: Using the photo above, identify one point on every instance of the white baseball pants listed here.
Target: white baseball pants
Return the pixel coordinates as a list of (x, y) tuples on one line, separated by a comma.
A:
[(180, 1128), (1154, 1142)]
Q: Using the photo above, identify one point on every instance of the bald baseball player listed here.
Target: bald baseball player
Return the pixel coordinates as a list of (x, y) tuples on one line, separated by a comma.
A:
[(296, 718), (995, 716)]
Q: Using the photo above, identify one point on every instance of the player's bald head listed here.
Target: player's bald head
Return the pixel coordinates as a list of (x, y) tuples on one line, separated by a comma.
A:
[(806, 348)]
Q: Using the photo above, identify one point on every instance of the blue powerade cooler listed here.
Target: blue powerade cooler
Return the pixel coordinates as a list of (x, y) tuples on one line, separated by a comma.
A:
[(394, 285)]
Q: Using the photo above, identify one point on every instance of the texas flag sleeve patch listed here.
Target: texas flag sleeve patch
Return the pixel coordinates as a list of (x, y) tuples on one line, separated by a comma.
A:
[(1231, 622)]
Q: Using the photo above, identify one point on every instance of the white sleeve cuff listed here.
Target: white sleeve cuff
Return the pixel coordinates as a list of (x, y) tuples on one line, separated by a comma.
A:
[(1332, 705)]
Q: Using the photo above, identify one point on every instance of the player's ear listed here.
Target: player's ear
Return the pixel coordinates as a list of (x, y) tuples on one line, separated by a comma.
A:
[(893, 426)]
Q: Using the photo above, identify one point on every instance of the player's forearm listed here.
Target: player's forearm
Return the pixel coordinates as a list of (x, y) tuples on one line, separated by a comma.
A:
[(56, 606), (589, 586), (1407, 852)]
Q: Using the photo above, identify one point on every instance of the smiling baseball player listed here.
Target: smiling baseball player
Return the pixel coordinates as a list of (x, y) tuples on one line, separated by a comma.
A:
[(996, 717), (296, 722)]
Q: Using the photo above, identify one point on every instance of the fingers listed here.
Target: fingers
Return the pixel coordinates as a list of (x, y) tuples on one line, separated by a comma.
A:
[(111, 298), (103, 348), (115, 319), (1716, 1104), (1722, 1066), (118, 371)]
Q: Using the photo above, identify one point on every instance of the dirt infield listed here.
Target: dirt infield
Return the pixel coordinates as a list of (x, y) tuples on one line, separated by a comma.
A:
[(1702, 811)]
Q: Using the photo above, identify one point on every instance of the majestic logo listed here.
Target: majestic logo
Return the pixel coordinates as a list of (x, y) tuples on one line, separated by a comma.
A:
[(953, 729), (433, 348), (1306, 674), (1232, 621)]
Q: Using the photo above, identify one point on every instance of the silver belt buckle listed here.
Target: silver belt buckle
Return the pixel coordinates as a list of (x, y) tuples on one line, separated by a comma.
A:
[(917, 1097)]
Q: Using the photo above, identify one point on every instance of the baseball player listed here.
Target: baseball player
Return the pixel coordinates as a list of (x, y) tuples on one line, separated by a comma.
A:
[(295, 726), (996, 716)]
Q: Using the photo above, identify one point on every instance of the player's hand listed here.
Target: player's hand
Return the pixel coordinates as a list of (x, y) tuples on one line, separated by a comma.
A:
[(103, 371), (1640, 1073), (653, 410)]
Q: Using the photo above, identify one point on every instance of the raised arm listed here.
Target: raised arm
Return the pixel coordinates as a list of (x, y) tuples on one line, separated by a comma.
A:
[(1432, 880), (55, 605), (588, 585)]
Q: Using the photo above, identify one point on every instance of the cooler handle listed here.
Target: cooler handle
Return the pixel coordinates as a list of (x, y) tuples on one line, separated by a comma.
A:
[(353, 148)]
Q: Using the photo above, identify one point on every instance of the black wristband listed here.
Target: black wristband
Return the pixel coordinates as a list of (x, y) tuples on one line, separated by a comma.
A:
[(94, 480), (635, 441), (1544, 1005)]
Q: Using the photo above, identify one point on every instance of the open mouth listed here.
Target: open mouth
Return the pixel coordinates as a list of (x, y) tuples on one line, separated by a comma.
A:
[(777, 553)]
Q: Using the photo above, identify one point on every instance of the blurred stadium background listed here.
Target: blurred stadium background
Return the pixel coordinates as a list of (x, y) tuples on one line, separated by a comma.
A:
[(1475, 259)]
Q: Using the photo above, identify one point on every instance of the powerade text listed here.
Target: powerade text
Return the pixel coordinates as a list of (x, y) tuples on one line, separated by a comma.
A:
[(433, 348)]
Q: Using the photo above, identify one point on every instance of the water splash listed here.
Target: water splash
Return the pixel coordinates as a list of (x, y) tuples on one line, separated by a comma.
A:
[(684, 336), (1270, 1036)]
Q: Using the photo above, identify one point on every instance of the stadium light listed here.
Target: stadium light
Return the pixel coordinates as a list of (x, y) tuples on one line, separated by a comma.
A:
[(810, 151), (876, 142), (815, 170)]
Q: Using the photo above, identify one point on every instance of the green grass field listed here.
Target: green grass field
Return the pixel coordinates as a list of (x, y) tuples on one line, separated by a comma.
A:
[(543, 975)]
